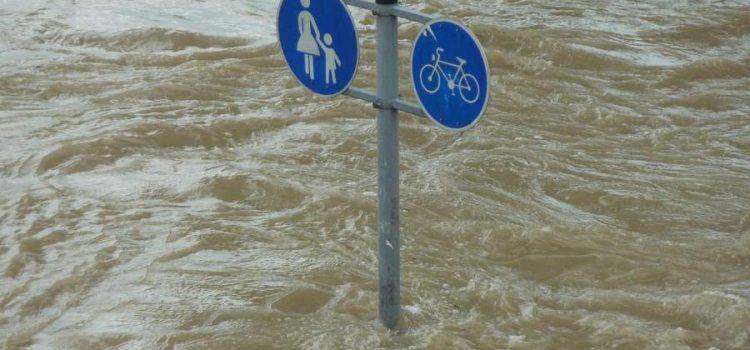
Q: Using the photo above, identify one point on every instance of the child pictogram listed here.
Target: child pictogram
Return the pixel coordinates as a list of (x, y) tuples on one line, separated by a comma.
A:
[(331, 58)]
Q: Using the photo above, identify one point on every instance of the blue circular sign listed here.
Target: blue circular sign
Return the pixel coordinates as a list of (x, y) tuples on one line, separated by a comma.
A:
[(450, 74), (319, 43)]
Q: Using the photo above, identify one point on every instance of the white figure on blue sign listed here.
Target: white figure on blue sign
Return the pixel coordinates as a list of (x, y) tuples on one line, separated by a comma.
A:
[(467, 84), (332, 59), (308, 44)]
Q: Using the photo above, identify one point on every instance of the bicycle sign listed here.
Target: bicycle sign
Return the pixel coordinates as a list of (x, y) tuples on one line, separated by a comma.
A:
[(450, 74)]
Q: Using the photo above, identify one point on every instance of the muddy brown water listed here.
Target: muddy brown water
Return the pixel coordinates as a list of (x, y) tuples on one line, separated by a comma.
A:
[(167, 184)]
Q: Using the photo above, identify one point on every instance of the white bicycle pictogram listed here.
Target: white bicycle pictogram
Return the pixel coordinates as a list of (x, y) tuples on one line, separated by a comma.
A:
[(429, 77)]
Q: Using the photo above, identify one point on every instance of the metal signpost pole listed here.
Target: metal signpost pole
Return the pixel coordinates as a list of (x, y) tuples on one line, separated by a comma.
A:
[(454, 101), (389, 261)]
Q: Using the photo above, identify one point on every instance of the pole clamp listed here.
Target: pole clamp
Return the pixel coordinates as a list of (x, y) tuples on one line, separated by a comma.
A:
[(384, 104)]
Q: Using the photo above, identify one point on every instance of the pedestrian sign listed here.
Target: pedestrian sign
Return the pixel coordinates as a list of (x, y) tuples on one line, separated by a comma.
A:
[(450, 74), (319, 43)]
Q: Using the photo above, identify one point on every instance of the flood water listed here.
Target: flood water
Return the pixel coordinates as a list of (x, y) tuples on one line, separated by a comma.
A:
[(167, 184)]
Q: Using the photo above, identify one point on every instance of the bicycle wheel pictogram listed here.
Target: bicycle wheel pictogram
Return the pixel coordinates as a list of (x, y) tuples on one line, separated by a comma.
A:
[(429, 77), (468, 88)]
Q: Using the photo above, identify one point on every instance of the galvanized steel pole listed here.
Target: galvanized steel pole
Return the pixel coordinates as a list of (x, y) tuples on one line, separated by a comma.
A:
[(389, 257)]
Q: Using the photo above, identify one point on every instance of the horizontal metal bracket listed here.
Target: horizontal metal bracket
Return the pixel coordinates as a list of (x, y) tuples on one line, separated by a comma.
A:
[(391, 10), (369, 96), (398, 104)]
